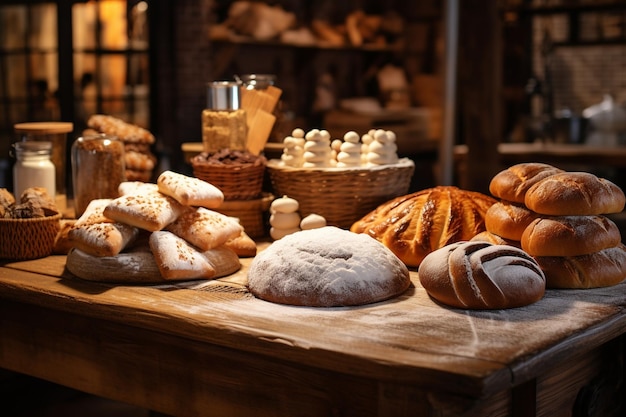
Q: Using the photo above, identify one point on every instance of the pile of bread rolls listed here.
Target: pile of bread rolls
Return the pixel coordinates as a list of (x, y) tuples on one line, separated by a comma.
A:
[(153, 232), (558, 218)]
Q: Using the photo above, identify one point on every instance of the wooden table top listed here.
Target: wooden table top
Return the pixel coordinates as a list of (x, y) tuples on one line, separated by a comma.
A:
[(410, 339)]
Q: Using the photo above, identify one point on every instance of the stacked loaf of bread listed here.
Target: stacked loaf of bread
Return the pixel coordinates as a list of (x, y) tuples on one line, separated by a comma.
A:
[(558, 218), (153, 232), (138, 157)]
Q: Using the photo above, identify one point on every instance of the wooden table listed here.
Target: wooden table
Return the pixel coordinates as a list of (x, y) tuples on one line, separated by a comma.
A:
[(214, 350)]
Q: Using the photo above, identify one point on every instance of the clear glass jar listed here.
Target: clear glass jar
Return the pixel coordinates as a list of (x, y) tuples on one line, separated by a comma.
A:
[(97, 169), (55, 133), (33, 167), (224, 123)]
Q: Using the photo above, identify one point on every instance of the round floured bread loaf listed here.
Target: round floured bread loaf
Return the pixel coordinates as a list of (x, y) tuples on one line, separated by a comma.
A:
[(508, 220), (575, 194), (512, 183), (600, 269), (569, 235), (327, 267), (414, 225), (479, 275)]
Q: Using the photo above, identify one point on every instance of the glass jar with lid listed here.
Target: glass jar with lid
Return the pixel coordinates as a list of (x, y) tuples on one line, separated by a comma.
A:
[(224, 122), (33, 167), (98, 168)]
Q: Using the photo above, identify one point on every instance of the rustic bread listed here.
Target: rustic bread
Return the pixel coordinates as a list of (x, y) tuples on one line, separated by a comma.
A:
[(242, 245), (150, 211), (575, 193), (479, 275), (190, 191), (508, 220), (569, 235), (414, 225), (177, 259), (600, 269), (512, 183), (95, 234), (206, 229), (493, 238), (327, 267)]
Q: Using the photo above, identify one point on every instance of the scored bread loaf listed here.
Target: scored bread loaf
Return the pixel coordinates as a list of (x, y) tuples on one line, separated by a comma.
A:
[(600, 269), (416, 224), (479, 275), (569, 235), (512, 183), (508, 220), (493, 238), (575, 194)]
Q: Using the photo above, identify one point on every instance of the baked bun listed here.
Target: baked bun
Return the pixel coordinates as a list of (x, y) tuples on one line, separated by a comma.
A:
[(508, 220), (575, 194), (487, 236), (512, 183), (600, 269), (479, 275), (569, 235), (327, 267), (416, 224)]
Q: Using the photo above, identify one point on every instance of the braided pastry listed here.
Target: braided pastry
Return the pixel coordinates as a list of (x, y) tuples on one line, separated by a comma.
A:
[(414, 225), (480, 275)]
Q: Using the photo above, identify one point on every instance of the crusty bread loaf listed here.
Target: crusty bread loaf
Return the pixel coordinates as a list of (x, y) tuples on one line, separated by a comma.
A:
[(150, 211), (569, 235), (206, 229), (600, 269), (512, 183), (414, 225), (479, 275), (575, 193), (493, 238), (327, 267), (508, 220), (242, 245), (177, 259), (190, 191)]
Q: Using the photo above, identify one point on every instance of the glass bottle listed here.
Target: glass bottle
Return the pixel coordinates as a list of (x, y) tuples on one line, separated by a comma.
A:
[(33, 167), (98, 168)]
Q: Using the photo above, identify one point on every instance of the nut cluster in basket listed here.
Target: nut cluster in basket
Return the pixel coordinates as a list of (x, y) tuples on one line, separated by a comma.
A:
[(239, 174), (33, 203), (28, 226)]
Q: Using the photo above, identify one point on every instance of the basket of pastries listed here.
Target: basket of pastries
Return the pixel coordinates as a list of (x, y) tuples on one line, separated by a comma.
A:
[(28, 225), (341, 180)]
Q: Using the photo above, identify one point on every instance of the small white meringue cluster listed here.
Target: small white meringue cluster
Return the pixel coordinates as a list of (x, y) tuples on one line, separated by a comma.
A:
[(314, 149), (285, 218)]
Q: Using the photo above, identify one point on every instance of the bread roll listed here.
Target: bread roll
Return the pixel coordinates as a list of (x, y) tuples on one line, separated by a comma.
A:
[(493, 238), (414, 225), (327, 267), (150, 211), (575, 193), (512, 183), (479, 275), (569, 235), (206, 229), (600, 269), (190, 191), (508, 220)]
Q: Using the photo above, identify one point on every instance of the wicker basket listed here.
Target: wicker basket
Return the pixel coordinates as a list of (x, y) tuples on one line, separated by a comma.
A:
[(341, 195), (237, 182), (250, 213), (22, 239)]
